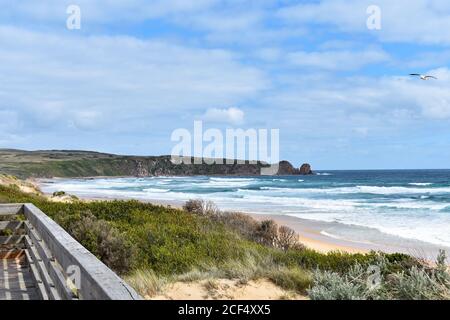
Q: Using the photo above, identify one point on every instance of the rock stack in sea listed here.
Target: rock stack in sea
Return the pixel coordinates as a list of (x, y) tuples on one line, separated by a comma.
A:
[(305, 169)]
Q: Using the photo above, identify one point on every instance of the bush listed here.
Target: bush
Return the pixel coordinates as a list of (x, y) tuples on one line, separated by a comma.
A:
[(294, 279), (287, 239), (267, 233), (59, 193), (414, 283), (103, 240), (332, 286), (243, 224), (201, 207)]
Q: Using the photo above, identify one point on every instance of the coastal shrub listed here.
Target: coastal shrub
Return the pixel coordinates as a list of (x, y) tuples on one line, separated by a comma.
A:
[(241, 223), (329, 285), (414, 283), (423, 283), (294, 279), (193, 206), (339, 261), (102, 239), (59, 193), (267, 233), (201, 207), (287, 239)]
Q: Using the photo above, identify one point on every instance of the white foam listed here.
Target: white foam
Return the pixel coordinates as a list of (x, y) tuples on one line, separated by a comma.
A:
[(400, 190), (154, 190)]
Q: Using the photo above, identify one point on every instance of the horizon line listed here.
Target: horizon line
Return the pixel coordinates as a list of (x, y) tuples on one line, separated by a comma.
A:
[(168, 155)]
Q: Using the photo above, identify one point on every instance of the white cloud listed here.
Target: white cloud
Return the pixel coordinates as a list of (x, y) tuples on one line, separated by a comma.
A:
[(55, 80), (87, 120), (364, 105), (415, 21), (338, 60), (232, 116), (102, 11), (111, 86)]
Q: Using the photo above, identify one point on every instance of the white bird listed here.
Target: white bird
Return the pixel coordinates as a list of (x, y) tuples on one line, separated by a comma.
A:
[(422, 76)]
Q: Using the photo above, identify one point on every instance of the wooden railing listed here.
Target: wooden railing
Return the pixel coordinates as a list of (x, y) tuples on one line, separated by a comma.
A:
[(60, 266)]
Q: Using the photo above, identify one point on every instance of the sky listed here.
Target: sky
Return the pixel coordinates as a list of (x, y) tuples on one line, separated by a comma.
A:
[(339, 92)]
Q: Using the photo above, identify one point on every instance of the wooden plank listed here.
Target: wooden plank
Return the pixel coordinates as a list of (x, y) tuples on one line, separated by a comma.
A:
[(28, 295), (11, 253), (11, 209), (37, 278), (11, 225), (55, 272), (11, 265), (12, 246), (11, 239), (97, 281), (36, 239), (42, 269), (16, 282)]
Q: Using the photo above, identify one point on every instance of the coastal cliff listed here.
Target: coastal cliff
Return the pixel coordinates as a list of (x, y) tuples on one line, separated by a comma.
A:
[(64, 163)]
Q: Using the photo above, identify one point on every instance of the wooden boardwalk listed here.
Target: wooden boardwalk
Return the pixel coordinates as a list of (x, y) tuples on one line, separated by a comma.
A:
[(16, 280), (40, 261)]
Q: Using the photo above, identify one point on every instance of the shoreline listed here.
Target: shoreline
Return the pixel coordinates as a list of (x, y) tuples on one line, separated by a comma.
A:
[(331, 236), (321, 236)]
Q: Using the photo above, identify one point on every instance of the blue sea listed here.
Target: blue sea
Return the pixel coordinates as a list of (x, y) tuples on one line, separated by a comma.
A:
[(412, 204)]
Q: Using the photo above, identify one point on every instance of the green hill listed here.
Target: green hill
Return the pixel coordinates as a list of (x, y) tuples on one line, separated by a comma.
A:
[(73, 163)]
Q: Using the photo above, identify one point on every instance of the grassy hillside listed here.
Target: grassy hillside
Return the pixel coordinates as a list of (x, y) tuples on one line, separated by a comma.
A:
[(151, 245), (60, 163)]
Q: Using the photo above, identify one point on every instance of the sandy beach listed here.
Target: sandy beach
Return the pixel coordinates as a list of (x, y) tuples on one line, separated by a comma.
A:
[(333, 236)]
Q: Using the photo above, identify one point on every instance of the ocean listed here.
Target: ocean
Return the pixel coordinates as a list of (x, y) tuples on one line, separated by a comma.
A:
[(411, 204)]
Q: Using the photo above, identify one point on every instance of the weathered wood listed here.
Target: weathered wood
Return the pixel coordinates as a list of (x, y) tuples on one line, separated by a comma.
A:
[(36, 276), (12, 246), (10, 239), (16, 281), (11, 225), (55, 272), (97, 281), (11, 209), (42, 269), (28, 295), (11, 253)]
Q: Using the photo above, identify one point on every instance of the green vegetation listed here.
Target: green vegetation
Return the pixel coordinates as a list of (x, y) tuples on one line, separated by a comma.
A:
[(152, 245), (419, 282), (61, 163)]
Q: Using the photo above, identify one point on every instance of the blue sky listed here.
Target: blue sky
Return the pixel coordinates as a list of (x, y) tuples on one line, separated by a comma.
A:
[(137, 70)]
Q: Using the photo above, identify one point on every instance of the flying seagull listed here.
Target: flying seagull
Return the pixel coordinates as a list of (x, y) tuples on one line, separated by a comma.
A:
[(422, 76)]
